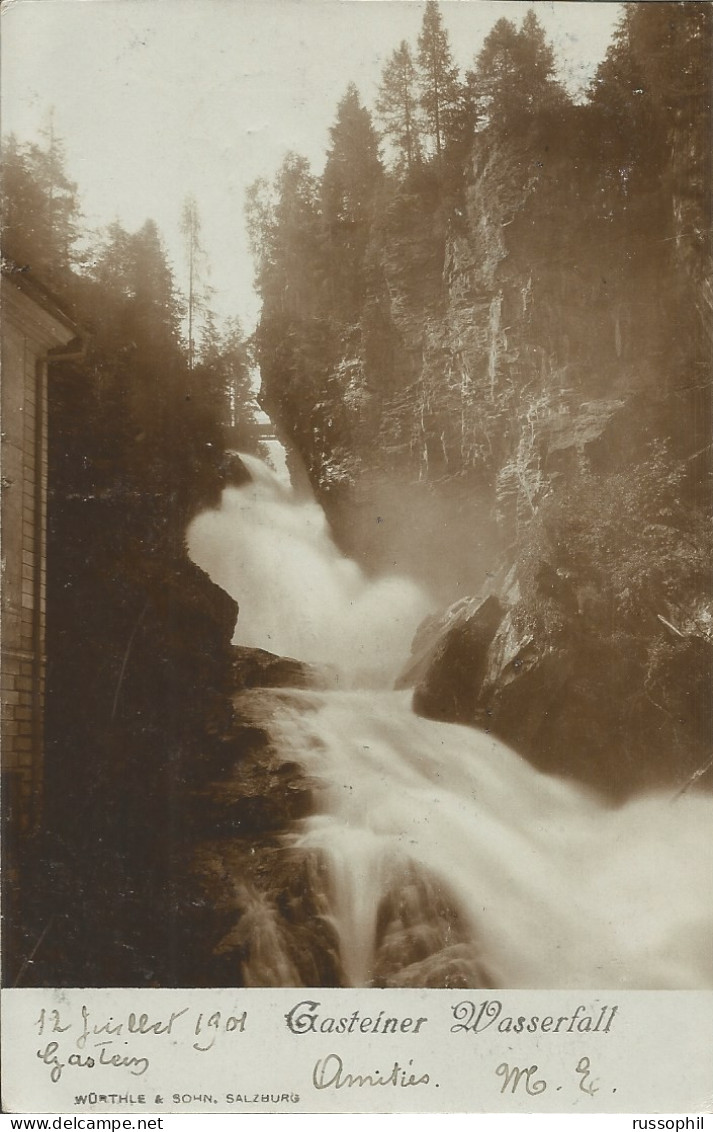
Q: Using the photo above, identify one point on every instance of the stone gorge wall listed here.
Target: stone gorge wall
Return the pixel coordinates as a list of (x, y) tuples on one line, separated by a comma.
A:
[(530, 359)]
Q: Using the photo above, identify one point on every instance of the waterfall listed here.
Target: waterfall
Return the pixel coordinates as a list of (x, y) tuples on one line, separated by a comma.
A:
[(298, 596), (450, 860)]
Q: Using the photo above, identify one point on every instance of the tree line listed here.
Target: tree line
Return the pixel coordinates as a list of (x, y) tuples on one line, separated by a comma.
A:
[(318, 240), (425, 108), (159, 396), (403, 183), (497, 297)]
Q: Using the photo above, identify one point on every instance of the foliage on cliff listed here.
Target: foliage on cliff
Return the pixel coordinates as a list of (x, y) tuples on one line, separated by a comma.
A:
[(530, 328), (506, 286)]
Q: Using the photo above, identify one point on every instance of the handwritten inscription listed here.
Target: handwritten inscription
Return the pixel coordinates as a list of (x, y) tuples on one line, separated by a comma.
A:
[(583, 1068), (88, 1041), (330, 1073), (50, 1056), (525, 1078), (513, 1075)]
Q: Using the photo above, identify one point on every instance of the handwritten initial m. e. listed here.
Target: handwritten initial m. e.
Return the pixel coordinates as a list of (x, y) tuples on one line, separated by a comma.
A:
[(513, 1076)]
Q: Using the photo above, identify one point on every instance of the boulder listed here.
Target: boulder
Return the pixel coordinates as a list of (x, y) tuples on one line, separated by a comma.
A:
[(257, 668), (451, 658), (620, 707)]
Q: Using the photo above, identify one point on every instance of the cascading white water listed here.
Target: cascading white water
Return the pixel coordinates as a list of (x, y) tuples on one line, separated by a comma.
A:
[(298, 596), (558, 889), (449, 855)]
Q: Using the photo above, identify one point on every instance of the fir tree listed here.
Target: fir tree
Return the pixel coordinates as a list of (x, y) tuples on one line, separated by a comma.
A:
[(351, 177), (283, 229), (191, 232), (40, 209), (224, 377), (353, 166), (514, 77), (438, 77), (398, 107)]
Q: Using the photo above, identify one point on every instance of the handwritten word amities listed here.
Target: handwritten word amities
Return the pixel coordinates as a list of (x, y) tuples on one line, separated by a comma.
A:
[(474, 1018), (329, 1073)]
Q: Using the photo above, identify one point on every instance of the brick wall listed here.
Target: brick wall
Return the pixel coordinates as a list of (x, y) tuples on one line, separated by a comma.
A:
[(30, 328)]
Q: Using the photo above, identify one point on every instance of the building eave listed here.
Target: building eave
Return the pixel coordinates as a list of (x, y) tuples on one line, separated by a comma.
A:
[(20, 279)]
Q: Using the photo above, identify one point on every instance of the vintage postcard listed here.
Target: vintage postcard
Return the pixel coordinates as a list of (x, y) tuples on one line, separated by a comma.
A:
[(357, 621)]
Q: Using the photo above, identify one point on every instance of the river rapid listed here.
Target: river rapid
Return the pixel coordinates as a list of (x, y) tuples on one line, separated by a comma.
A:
[(449, 859)]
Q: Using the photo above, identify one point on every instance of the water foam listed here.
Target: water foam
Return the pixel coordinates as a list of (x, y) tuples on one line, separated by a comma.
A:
[(449, 856), (298, 595), (558, 889)]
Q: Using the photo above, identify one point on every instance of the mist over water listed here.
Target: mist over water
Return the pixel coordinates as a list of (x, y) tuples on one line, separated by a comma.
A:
[(298, 596), (554, 888), (450, 859)]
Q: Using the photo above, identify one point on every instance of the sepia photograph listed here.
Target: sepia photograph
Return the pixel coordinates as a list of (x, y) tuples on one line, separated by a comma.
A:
[(357, 562)]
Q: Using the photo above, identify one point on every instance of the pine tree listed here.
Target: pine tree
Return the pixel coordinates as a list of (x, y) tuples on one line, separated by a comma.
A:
[(157, 305), (352, 174), (62, 210), (658, 66), (514, 77), (438, 77), (136, 346), (283, 229), (536, 65), (398, 107), (261, 227), (191, 232), (657, 78), (224, 374), (353, 166), (40, 209)]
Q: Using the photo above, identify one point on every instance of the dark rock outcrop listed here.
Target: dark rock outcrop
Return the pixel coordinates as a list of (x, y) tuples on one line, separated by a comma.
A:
[(620, 708), (454, 667), (257, 668), (254, 909), (135, 710)]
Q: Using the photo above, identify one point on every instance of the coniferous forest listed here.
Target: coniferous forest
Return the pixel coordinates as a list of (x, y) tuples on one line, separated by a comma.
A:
[(494, 304), (486, 319)]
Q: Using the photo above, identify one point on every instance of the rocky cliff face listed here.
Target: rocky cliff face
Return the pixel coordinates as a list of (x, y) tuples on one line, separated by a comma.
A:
[(528, 376), (501, 330)]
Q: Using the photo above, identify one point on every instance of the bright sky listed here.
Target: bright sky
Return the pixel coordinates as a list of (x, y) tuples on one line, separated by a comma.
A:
[(155, 99)]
